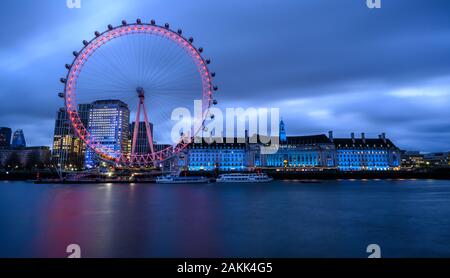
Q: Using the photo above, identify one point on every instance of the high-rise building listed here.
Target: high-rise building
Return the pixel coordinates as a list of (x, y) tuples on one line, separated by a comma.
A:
[(68, 150), (83, 113), (109, 125), (18, 140), (5, 137), (142, 144)]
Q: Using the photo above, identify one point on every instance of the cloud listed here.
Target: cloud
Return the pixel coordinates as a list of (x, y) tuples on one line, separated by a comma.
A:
[(327, 64), (32, 48)]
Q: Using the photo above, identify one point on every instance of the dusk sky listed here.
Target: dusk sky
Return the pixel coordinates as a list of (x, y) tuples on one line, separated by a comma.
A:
[(327, 64)]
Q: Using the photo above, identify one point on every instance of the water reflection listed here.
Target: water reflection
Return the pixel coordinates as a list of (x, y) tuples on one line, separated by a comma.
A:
[(283, 219)]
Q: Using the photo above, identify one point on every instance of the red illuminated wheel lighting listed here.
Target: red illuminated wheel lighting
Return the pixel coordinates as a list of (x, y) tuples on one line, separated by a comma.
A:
[(82, 71)]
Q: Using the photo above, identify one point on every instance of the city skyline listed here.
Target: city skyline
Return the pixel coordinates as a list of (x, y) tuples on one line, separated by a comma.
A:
[(371, 79), (253, 134)]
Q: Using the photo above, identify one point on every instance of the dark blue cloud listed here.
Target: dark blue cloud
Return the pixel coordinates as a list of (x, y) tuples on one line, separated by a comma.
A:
[(327, 64)]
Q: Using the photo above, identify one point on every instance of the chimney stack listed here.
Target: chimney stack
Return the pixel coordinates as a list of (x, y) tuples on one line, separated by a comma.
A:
[(330, 135), (363, 137), (353, 137), (383, 136)]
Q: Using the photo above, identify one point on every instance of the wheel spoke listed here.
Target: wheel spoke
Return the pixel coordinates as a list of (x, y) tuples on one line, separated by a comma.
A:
[(153, 58)]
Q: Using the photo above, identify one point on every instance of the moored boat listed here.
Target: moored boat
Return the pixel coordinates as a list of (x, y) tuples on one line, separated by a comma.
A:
[(244, 178), (172, 179)]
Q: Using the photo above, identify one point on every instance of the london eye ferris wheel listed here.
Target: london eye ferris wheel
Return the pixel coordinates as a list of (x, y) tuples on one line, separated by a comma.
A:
[(153, 70)]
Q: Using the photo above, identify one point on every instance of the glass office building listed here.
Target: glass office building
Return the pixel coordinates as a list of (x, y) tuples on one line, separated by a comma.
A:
[(142, 143), (69, 151), (18, 140), (109, 125)]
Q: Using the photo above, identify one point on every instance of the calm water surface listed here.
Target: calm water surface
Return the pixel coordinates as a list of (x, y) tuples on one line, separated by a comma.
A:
[(408, 218)]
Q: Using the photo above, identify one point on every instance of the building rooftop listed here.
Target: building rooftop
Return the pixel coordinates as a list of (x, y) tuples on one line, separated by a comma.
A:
[(206, 141), (363, 143), (107, 102), (308, 140)]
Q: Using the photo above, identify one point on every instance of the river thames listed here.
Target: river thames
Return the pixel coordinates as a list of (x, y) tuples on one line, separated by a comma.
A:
[(406, 218)]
